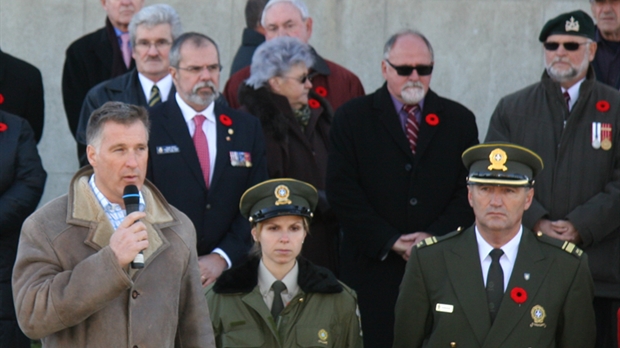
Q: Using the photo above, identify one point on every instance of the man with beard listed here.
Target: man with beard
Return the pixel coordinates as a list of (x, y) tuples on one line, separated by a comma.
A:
[(203, 155), (151, 31), (395, 177), (571, 121)]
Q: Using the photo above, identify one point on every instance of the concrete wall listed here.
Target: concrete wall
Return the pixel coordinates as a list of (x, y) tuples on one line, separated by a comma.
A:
[(484, 48)]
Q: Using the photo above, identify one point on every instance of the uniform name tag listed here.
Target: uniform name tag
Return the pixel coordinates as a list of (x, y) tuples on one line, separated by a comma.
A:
[(166, 149), (446, 308), (240, 159)]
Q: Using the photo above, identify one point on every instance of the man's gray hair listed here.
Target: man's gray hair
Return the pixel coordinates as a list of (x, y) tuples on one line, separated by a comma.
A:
[(276, 57), (392, 40), (153, 15), (301, 6), (197, 39), (118, 112)]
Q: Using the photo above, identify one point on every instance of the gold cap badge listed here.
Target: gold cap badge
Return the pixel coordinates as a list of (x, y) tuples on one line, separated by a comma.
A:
[(572, 25), (498, 158), (282, 192)]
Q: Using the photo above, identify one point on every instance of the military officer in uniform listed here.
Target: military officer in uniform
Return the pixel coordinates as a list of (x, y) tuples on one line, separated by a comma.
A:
[(496, 284)]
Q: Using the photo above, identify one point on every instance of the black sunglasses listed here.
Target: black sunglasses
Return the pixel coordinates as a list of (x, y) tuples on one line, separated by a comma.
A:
[(405, 70), (569, 46)]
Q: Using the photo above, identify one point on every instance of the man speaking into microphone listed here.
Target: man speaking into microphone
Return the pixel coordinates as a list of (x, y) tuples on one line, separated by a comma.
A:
[(73, 282)]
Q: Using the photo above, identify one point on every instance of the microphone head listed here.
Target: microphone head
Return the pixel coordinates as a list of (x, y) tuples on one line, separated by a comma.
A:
[(131, 195)]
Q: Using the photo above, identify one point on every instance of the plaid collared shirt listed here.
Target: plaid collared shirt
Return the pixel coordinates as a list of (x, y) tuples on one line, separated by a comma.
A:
[(114, 211)]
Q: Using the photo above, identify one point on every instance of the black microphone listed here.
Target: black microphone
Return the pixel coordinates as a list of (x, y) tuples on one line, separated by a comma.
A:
[(131, 198)]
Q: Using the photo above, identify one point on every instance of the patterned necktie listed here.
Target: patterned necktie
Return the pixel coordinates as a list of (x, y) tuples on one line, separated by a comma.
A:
[(125, 49), (567, 98), (155, 97), (277, 305), (202, 147), (495, 283), (411, 126)]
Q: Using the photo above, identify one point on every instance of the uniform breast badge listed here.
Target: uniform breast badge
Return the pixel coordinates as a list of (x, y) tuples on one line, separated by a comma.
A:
[(538, 315), (323, 336), (498, 158)]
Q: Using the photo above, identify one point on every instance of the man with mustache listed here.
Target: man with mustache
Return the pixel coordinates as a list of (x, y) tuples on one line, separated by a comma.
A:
[(151, 31), (606, 62), (395, 177), (571, 120), (204, 155)]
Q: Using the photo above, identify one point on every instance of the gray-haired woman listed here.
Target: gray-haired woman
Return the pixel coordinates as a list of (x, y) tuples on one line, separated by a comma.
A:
[(296, 123)]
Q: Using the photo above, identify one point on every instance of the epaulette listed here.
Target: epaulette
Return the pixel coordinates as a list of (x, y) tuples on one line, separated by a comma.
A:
[(434, 240), (569, 247)]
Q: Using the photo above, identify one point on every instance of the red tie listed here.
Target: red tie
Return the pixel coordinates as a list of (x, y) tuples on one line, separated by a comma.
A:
[(202, 147), (411, 127), (567, 98)]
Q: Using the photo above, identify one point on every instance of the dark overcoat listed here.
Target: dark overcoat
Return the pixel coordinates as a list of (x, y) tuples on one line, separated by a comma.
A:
[(380, 190)]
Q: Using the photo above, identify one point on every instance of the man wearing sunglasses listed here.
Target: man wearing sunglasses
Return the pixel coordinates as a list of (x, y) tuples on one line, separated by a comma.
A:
[(571, 120), (395, 177), (606, 63)]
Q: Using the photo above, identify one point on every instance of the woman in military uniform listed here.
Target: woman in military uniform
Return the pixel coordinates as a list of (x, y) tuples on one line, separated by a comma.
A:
[(277, 299)]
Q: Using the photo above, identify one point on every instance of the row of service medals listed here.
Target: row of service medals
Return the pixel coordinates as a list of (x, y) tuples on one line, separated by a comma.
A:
[(601, 135)]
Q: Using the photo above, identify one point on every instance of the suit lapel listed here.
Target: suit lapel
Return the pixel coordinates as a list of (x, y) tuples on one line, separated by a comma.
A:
[(223, 147), (463, 264), (532, 261), (103, 50), (176, 127), (431, 106), (389, 118)]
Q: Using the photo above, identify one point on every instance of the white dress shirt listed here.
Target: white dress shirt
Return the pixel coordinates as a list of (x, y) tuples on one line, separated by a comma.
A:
[(266, 279), (507, 261), (164, 86), (573, 92)]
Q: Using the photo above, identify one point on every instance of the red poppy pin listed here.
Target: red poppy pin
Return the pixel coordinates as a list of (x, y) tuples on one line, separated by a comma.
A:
[(3, 127), (602, 105), (321, 91), (518, 295), (1, 98), (432, 119), (226, 121), (313, 103)]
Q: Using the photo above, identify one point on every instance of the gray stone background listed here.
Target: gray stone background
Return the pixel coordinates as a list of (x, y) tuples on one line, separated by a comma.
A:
[(484, 49)]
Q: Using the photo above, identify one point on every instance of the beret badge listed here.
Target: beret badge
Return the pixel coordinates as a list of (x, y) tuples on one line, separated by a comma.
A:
[(572, 25)]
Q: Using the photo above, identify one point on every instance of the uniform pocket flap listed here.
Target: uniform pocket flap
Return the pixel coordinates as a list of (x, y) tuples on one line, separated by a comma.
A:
[(244, 337), (314, 337)]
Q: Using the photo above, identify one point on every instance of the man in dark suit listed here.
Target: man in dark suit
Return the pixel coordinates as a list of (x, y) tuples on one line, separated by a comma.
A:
[(395, 176), (21, 91), (253, 35), (96, 57), (152, 31), (497, 284), (203, 155)]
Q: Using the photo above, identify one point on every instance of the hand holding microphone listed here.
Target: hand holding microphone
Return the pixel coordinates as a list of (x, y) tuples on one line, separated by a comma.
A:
[(130, 238)]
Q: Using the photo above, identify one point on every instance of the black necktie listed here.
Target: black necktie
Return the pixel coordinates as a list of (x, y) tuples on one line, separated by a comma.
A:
[(277, 305), (495, 283)]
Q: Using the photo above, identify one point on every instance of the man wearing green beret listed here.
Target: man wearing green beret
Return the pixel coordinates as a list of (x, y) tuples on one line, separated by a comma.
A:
[(571, 120), (496, 284)]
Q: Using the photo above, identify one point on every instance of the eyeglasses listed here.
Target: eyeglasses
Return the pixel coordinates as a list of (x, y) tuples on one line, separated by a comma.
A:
[(301, 79), (195, 70), (146, 45), (406, 70), (603, 1), (569, 46)]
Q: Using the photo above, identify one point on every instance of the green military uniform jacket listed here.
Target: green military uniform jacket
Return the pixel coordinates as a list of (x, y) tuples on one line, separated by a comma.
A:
[(323, 313), (442, 301)]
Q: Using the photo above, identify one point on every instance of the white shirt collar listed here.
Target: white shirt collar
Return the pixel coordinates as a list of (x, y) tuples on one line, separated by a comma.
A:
[(189, 112), (164, 85), (573, 92), (510, 249)]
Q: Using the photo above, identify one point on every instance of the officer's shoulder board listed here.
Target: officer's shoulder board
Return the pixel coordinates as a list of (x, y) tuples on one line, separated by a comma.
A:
[(569, 247), (434, 240)]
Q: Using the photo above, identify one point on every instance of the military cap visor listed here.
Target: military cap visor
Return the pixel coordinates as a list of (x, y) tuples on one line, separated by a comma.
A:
[(278, 197), (577, 23), (501, 164)]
